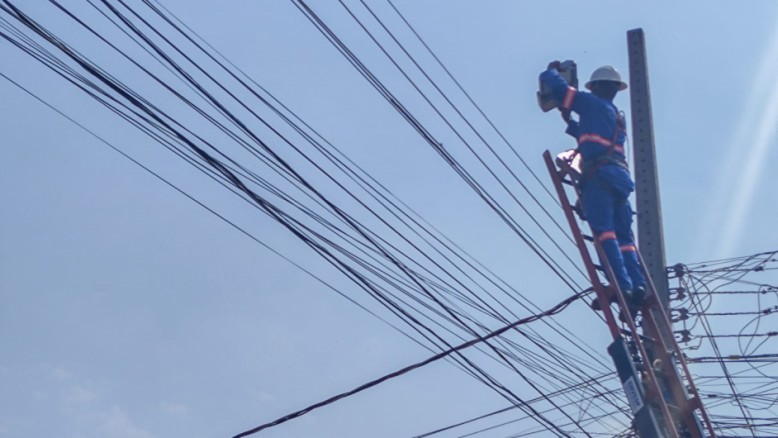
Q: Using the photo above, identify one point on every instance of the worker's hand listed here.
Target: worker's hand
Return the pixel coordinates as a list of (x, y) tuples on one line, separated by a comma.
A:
[(565, 115), (554, 65)]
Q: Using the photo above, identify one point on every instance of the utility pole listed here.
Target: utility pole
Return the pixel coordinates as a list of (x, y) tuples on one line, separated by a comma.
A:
[(651, 237), (649, 209)]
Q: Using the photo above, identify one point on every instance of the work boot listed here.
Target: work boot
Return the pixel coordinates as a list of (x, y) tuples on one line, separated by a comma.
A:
[(634, 299), (638, 296)]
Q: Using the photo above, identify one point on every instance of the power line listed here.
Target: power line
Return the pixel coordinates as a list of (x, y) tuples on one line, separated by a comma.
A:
[(556, 309), (374, 279), (596, 379), (744, 375)]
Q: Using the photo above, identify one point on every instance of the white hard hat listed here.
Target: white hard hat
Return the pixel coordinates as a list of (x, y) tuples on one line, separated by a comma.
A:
[(606, 73)]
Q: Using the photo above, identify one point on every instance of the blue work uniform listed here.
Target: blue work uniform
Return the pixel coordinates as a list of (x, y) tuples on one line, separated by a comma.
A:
[(605, 184)]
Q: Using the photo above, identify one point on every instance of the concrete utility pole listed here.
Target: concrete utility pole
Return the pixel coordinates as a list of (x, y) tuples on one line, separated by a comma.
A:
[(649, 209)]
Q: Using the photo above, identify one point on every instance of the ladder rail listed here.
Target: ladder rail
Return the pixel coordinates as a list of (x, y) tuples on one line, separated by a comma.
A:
[(667, 351), (602, 297), (664, 319), (599, 288), (655, 391), (668, 365)]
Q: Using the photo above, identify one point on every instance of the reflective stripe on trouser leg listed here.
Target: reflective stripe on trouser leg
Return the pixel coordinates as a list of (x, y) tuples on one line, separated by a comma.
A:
[(622, 221), (611, 248), (632, 265), (600, 206)]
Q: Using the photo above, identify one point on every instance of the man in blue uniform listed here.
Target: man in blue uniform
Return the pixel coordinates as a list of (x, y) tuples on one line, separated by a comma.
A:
[(605, 182)]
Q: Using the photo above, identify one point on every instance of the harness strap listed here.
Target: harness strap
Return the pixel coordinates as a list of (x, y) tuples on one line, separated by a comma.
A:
[(589, 167)]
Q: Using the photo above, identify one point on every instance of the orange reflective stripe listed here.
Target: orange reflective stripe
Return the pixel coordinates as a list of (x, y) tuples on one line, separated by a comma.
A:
[(607, 235), (569, 95), (628, 248), (594, 138)]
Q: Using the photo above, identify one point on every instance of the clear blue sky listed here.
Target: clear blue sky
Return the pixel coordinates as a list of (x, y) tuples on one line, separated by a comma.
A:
[(127, 310)]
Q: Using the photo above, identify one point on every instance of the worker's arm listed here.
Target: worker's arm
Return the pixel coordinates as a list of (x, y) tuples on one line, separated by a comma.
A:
[(572, 129), (568, 97), (572, 125)]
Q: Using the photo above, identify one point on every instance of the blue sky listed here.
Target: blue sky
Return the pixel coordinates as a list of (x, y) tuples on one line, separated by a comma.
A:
[(129, 311)]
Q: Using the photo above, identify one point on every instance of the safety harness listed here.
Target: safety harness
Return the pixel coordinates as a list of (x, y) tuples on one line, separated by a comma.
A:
[(590, 166)]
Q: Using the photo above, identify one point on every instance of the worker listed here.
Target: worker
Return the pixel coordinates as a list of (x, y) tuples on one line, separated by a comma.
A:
[(605, 182)]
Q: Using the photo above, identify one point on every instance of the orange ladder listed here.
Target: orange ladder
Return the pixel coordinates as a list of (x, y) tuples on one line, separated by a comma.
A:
[(658, 384)]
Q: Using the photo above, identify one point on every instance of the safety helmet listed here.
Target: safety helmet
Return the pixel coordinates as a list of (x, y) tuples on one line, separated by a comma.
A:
[(606, 73)]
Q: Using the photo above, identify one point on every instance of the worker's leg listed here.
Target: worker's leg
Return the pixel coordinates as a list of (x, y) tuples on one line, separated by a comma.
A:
[(599, 208), (623, 223)]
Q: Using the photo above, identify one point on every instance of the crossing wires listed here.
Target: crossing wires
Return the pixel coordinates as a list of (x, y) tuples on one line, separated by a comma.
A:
[(723, 312), (162, 79)]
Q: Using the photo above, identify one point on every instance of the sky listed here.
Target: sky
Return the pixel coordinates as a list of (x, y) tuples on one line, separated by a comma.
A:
[(128, 310)]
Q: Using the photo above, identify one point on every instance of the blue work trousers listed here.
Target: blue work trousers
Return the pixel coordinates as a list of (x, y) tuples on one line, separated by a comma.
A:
[(607, 209)]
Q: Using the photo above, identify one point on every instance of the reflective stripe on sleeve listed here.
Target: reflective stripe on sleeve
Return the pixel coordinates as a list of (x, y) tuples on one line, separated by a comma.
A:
[(569, 95), (628, 248)]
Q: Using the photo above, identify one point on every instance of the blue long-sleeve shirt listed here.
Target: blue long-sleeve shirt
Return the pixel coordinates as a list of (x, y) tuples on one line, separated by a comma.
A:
[(597, 117)]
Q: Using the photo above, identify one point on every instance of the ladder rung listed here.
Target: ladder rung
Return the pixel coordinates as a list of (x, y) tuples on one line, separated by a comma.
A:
[(666, 387)]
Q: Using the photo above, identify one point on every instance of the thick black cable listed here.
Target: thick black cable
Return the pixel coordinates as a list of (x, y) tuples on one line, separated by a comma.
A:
[(704, 280), (600, 378), (146, 1), (556, 309), (437, 146), (280, 216), (462, 89), (439, 113), (470, 125), (129, 120), (460, 136), (312, 189), (210, 210), (325, 30)]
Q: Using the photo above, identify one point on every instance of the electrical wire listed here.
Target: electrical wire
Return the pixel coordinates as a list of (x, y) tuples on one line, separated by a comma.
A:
[(556, 309), (192, 148)]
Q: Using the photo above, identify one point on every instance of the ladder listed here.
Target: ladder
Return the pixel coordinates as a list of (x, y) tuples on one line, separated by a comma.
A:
[(657, 382)]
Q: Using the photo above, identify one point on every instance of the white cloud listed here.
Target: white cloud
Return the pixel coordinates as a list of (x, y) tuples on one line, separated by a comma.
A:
[(116, 424), (173, 408), (40, 395), (79, 394), (57, 372), (264, 397)]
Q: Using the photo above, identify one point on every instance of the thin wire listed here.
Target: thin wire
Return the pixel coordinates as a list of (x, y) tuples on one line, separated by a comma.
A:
[(146, 1), (222, 168), (556, 309)]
